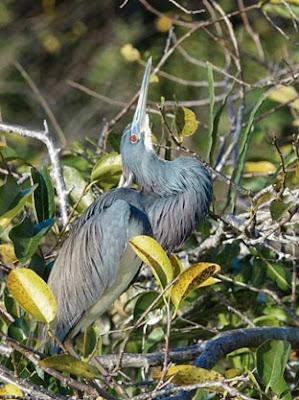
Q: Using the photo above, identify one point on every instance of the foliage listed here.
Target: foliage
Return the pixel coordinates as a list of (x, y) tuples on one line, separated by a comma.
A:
[(227, 95)]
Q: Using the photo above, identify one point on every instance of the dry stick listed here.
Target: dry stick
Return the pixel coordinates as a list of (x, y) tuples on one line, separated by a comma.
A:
[(37, 392), (207, 353), (177, 390), (44, 137), (43, 103), (185, 10)]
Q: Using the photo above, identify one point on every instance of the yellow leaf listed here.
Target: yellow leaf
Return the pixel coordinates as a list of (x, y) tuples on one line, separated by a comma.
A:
[(177, 265), (10, 389), (295, 2), (189, 375), (7, 253), (259, 167), (152, 254), (284, 94), (186, 122), (32, 293), (190, 279), (163, 23), (210, 281), (154, 78), (68, 363), (129, 53)]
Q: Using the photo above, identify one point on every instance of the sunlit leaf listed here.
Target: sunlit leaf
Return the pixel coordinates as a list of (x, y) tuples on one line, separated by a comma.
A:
[(282, 8), (284, 94), (189, 374), (152, 254), (279, 274), (259, 167), (186, 122), (76, 185), (154, 78), (70, 364), (129, 53), (7, 253), (107, 166), (271, 359), (32, 293), (10, 389), (190, 279), (177, 265), (26, 237), (208, 282)]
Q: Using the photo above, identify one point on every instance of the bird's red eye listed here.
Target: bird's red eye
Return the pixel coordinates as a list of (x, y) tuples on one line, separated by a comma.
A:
[(133, 138)]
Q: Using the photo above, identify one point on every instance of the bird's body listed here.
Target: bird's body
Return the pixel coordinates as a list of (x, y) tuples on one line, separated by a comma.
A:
[(96, 264)]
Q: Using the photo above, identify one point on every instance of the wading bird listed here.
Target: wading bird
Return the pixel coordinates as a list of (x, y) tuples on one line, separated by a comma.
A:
[(96, 264)]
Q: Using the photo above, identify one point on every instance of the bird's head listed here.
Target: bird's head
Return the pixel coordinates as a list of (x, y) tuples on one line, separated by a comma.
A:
[(136, 139)]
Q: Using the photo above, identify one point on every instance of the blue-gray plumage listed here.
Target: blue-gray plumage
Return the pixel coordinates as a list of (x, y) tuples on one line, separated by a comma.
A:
[(95, 264)]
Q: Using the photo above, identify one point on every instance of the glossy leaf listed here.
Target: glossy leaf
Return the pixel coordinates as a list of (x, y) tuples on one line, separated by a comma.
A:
[(43, 198), (107, 166), (10, 389), (177, 265), (152, 254), (190, 279), (279, 274), (189, 374), (26, 237), (254, 167), (271, 359), (32, 293), (13, 198), (70, 364), (186, 122), (76, 186)]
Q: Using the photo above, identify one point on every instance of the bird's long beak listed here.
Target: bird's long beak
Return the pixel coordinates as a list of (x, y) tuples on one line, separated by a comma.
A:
[(140, 118)]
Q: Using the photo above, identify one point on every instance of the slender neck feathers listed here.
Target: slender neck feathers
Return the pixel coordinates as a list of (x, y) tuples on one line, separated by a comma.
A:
[(175, 194)]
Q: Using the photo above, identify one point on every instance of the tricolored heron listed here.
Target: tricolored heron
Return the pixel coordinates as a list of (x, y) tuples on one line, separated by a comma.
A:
[(96, 264)]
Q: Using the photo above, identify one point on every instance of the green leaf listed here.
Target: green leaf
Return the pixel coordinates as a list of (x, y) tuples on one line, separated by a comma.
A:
[(76, 186), (107, 166), (243, 144), (13, 198), (70, 364), (281, 388), (90, 341), (43, 198), (271, 359), (26, 237), (211, 111), (278, 208), (279, 274), (152, 254), (32, 293), (186, 122), (144, 301)]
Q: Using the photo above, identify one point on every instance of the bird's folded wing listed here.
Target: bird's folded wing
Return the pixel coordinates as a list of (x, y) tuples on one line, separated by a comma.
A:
[(88, 262)]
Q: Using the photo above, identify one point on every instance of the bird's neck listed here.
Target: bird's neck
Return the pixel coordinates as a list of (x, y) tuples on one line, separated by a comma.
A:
[(177, 195)]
